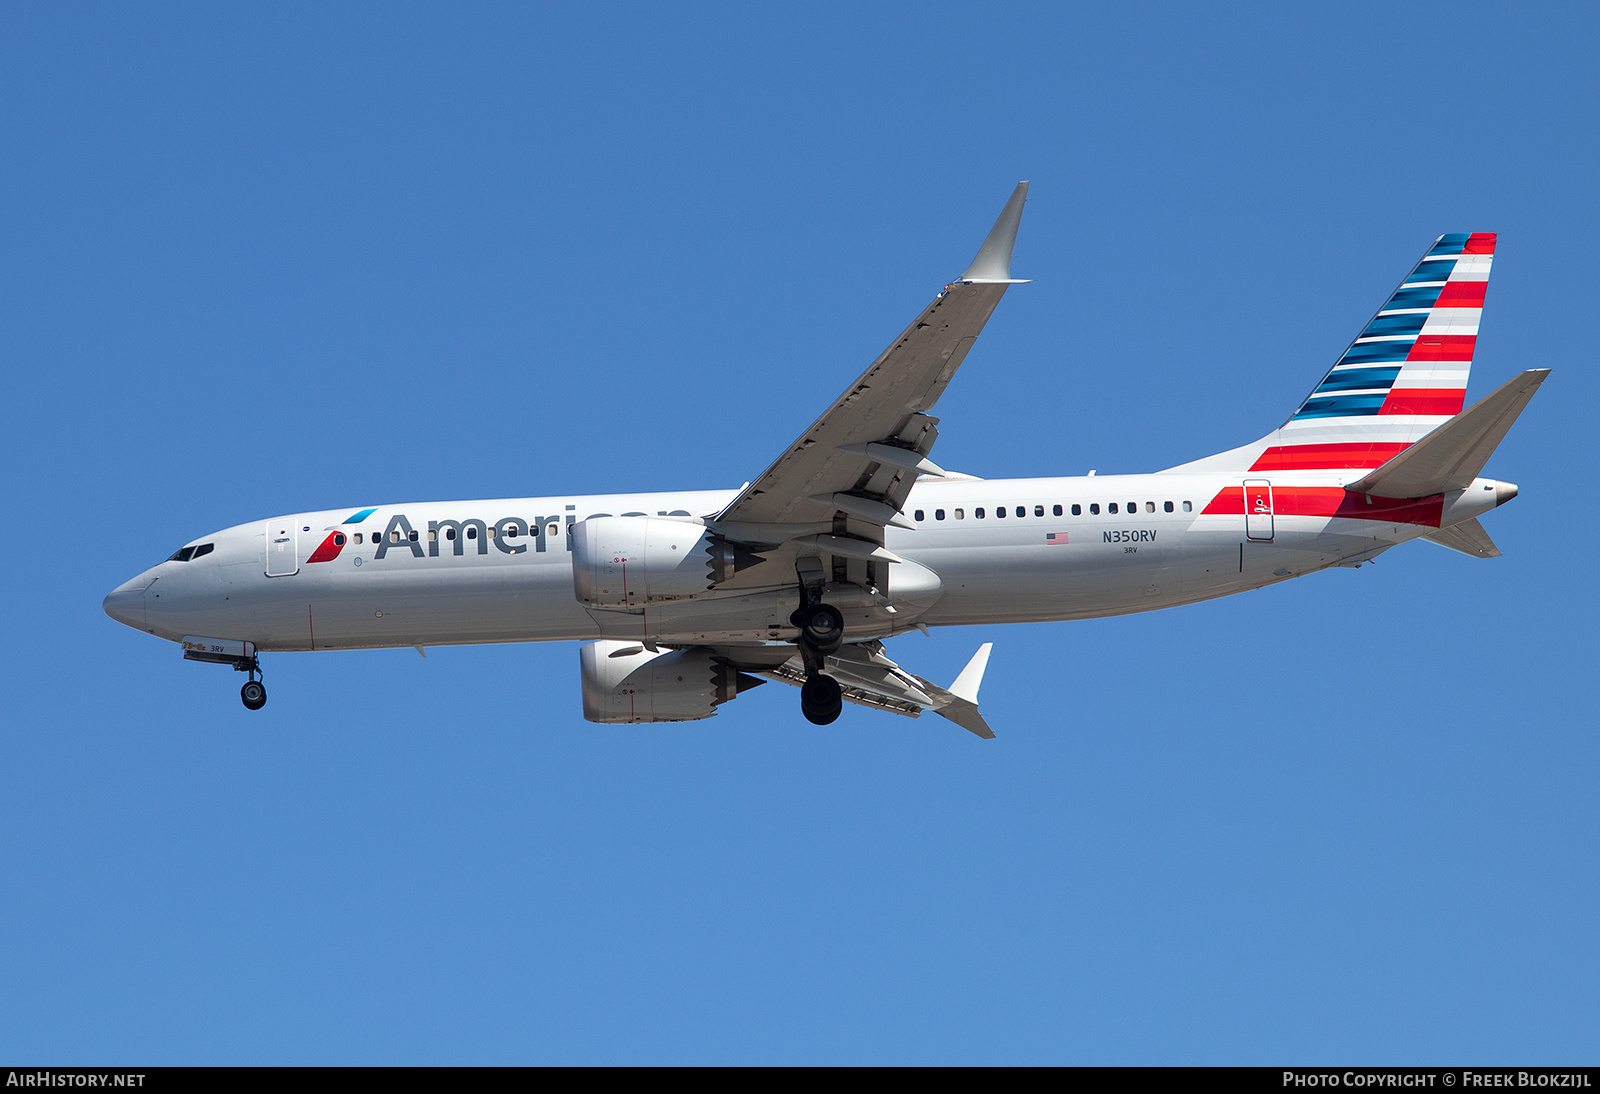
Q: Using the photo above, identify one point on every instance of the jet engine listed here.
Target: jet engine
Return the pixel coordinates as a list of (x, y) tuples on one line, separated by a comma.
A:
[(623, 683), (626, 562)]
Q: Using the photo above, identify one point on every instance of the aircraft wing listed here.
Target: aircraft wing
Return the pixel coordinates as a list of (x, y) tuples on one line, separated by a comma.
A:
[(862, 456), (868, 678)]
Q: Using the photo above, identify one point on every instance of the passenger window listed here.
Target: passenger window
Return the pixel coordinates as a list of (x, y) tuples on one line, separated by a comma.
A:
[(1077, 510), (1187, 507), (1167, 505), (433, 534), (555, 530), (1094, 509), (412, 537), (961, 514), (394, 536), (999, 510), (918, 514), (1133, 507), (338, 540), (1149, 507), (1056, 510), (449, 533), (1022, 510), (472, 533), (511, 533), (358, 539), (938, 514), (1038, 510), (1112, 507), (977, 514)]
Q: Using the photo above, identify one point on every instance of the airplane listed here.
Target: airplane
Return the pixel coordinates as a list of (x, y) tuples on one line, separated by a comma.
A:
[(685, 600)]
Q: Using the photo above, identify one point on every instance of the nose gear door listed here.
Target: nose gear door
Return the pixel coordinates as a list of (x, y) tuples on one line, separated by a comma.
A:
[(282, 557)]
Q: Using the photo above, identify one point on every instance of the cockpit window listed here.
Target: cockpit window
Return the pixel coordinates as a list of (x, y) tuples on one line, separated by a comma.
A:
[(187, 553)]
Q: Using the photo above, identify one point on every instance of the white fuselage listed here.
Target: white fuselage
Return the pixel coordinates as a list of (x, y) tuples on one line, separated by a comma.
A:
[(1173, 538)]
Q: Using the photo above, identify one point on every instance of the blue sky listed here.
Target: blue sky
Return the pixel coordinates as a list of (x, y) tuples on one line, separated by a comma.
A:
[(264, 261)]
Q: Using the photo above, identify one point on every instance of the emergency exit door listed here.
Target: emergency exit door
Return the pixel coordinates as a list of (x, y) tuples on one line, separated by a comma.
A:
[(1258, 510)]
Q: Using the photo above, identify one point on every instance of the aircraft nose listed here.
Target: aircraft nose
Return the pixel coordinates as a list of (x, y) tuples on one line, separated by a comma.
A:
[(125, 603)]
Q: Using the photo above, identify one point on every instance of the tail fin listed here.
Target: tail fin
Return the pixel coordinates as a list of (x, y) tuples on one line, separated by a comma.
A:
[(1403, 376)]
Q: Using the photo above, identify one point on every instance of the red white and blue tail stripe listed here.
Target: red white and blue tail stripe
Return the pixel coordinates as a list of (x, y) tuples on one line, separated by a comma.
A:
[(1414, 357), (1403, 376)]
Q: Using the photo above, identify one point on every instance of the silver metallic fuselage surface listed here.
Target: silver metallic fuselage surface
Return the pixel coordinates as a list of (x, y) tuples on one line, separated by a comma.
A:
[(519, 588)]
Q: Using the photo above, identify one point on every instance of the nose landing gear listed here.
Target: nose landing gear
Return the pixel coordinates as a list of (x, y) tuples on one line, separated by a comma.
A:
[(230, 651), (254, 695), (254, 692)]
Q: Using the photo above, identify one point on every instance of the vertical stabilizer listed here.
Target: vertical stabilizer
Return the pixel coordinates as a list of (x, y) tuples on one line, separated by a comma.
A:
[(1403, 376)]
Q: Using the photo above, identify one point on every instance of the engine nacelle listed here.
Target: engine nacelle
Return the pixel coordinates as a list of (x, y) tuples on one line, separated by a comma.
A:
[(624, 683), (627, 562)]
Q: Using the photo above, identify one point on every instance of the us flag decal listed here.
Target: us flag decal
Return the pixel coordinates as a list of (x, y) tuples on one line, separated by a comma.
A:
[(1055, 539)]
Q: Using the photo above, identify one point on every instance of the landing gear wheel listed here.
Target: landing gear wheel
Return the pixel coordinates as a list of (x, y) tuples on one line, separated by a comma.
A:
[(821, 701), (254, 695), (822, 628)]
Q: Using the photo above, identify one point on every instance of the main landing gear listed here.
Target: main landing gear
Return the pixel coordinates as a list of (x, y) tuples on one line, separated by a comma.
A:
[(821, 699), (821, 633), (254, 692)]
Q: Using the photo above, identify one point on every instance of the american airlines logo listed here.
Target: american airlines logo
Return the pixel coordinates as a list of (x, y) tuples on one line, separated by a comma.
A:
[(475, 536)]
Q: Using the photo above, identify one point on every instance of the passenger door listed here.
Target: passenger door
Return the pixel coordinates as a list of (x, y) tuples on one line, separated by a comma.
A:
[(283, 558)]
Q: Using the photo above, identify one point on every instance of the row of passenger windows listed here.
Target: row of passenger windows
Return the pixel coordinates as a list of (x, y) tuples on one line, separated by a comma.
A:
[(1056, 510), (188, 554), (450, 533)]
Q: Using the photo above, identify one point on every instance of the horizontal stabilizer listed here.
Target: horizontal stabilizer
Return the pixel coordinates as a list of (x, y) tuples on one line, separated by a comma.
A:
[(1468, 537), (1451, 456)]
